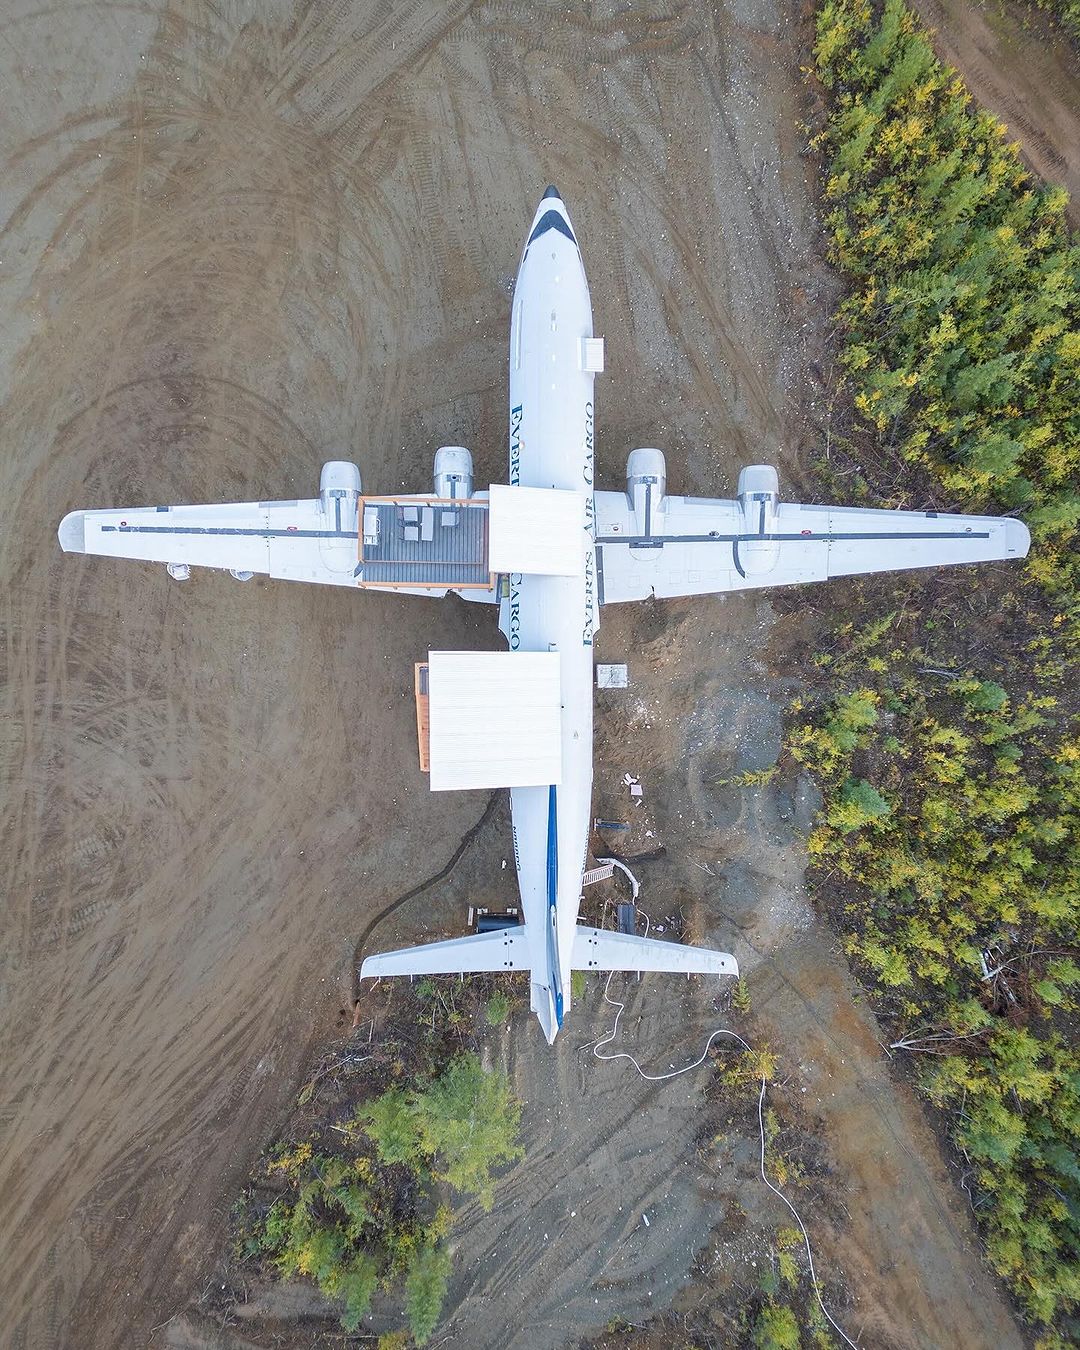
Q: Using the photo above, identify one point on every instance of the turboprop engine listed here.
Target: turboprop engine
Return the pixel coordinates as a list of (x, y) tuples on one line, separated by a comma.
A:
[(339, 482), (646, 481), (759, 497), (453, 471)]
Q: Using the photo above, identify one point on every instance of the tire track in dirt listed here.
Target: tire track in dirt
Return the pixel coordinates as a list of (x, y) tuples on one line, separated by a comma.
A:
[(160, 1046), (426, 885)]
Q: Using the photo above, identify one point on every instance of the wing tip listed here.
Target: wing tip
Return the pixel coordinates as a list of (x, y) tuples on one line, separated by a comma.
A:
[(72, 532), (369, 967), (1017, 537)]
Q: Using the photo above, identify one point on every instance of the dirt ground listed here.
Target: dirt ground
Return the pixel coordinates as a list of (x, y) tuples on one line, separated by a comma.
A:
[(241, 239)]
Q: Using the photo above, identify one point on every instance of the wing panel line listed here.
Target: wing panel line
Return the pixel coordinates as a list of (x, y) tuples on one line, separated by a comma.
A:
[(658, 540), (230, 530)]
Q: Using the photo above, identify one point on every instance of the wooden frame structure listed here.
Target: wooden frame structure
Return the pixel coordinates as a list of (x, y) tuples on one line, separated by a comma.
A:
[(420, 502)]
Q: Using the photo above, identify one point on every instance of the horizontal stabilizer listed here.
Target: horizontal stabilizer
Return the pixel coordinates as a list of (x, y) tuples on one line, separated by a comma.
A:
[(503, 949), (598, 949)]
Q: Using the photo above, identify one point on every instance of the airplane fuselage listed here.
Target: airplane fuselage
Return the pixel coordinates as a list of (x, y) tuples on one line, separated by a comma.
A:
[(552, 446)]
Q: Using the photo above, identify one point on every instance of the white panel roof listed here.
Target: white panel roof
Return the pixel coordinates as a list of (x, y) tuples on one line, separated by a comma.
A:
[(495, 719), (537, 531)]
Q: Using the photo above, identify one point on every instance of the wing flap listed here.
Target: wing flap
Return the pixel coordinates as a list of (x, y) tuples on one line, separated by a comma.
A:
[(504, 949), (599, 949)]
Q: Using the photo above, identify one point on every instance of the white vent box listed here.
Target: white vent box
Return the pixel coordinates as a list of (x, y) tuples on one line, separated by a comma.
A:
[(592, 355)]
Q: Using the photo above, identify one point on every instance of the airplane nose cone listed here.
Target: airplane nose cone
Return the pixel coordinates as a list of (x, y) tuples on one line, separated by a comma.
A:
[(551, 214), (552, 191)]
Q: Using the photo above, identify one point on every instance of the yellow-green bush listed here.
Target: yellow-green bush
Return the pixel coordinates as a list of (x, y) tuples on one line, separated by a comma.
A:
[(354, 1220), (1066, 12), (948, 847), (972, 865), (962, 338)]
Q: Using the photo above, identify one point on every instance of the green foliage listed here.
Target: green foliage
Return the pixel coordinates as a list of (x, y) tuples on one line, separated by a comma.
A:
[(355, 1220), (354, 1287), (468, 1122), (984, 696), (968, 852), (740, 996), (1018, 1123), (323, 1228), (859, 804), (962, 341), (950, 830), (577, 985), (776, 1329), (425, 1290), (391, 1125), (1066, 12), (462, 1126), (498, 1008), (845, 725)]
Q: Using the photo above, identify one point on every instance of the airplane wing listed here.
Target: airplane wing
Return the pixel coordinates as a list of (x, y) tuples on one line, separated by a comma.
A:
[(414, 544), (291, 540), (697, 546), (600, 949), (503, 949)]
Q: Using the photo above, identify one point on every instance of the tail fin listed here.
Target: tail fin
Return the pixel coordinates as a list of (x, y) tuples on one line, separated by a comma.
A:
[(598, 949), (503, 949)]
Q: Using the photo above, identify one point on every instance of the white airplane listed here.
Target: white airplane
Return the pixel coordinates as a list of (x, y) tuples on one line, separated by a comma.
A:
[(550, 551)]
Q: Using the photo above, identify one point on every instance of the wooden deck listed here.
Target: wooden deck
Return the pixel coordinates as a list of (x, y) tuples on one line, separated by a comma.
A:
[(423, 726)]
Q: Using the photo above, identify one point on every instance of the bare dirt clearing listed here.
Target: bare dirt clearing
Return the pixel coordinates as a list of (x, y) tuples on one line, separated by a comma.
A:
[(240, 240)]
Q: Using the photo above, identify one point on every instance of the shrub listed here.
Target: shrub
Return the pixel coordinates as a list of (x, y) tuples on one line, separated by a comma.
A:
[(983, 861), (468, 1123), (776, 1329), (425, 1290), (962, 341), (951, 842), (390, 1122), (350, 1223), (498, 1008)]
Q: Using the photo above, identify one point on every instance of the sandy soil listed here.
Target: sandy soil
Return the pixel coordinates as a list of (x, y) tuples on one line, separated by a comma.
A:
[(1025, 71), (239, 240)]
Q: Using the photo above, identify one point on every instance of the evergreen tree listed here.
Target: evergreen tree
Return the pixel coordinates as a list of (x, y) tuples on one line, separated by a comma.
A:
[(468, 1122), (425, 1290), (390, 1122)]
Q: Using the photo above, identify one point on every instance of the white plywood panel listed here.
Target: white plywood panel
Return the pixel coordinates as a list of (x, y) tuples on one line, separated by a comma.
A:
[(495, 719), (536, 531)]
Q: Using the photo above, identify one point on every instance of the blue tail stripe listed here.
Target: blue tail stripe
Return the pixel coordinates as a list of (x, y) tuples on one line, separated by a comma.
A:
[(552, 848), (553, 894)]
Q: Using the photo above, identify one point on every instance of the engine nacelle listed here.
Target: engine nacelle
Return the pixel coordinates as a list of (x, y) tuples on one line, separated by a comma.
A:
[(646, 484), (453, 472), (340, 482), (759, 497)]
